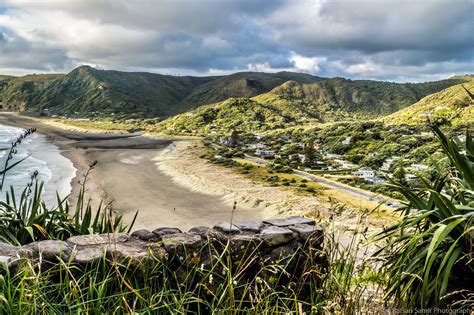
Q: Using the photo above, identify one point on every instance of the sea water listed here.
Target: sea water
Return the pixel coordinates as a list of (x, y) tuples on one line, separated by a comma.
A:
[(43, 156)]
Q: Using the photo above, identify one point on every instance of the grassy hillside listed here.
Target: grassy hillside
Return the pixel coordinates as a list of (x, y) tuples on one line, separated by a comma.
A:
[(88, 92), (369, 98), (454, 104), (17, 93), (290, 97), (294, 103), (244, 84), (239, 113)]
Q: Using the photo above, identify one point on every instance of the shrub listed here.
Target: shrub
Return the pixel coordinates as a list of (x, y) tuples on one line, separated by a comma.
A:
[(310, 189), (428, 257)]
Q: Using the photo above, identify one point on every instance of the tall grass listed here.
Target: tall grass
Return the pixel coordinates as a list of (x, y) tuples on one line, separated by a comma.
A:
[(28, 218), (308, 281), (428, 254)]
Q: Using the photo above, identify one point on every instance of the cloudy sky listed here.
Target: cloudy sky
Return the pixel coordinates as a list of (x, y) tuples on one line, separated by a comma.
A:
[(396, 40)]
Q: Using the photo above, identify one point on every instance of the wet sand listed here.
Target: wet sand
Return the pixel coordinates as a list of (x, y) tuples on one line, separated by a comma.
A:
[(127, 177)]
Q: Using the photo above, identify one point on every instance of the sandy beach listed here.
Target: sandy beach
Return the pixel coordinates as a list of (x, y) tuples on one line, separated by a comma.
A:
[(166, 181), (128, 177)]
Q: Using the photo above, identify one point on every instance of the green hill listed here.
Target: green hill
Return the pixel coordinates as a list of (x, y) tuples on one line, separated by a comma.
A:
[(88, 92), (292, 103), (368, 98), (454, 104), (18, 93), (243, 84), (263, 112)]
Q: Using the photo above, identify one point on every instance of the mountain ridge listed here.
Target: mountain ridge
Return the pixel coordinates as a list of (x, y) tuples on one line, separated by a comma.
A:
[(89, 92)]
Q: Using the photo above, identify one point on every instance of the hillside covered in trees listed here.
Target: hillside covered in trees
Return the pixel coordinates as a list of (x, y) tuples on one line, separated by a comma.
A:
[(274, 98)]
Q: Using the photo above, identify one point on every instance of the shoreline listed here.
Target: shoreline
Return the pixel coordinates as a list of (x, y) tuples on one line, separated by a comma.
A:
[(127, 177), (62, 138), (170, 185)]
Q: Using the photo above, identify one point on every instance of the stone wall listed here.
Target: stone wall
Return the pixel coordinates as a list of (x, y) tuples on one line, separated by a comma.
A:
[(250, 246)]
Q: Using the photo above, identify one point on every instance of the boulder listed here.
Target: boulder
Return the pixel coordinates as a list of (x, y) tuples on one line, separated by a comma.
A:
[(274, 235), (227, 227), (290, 221)]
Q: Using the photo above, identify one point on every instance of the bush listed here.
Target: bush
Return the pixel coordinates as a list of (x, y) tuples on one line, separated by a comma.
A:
[(428, 257)]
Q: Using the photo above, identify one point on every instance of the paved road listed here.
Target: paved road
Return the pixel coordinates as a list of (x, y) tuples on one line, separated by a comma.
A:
[(320, 180), (358, 193)]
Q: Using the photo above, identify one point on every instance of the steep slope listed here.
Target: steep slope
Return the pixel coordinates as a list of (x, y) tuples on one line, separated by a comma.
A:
[(88, 92), (293, 103), (17, 93), (4, 80), (454, 105), (267, 111), (368, 98), (243, 84)]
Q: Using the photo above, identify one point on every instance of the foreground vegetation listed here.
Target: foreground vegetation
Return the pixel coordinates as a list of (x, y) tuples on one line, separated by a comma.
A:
[(426, 261)]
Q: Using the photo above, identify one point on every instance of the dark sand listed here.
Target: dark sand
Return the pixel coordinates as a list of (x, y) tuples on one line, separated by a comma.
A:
[(126, 177)]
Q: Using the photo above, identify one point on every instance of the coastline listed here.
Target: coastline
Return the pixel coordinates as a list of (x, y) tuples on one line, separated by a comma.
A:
[(62, 137), (128, 178), (180, 162), (169, 184)]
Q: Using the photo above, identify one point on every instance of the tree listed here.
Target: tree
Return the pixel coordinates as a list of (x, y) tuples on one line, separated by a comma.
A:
[(309, 152)]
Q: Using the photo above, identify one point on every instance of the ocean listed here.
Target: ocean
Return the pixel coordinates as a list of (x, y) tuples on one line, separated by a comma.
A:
[(43, 156)]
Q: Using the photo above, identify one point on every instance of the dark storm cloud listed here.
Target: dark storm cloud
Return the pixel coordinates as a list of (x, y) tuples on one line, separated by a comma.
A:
[(395, 40)]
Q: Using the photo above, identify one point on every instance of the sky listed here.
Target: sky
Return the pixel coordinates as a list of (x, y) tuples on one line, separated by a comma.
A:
[(393, 40)]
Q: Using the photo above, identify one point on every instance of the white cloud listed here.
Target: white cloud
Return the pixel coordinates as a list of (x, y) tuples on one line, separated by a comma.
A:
[(306, 64), (359, 39)]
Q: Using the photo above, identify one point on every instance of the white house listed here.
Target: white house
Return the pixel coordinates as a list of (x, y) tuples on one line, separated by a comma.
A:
[(265, 153), (418, 167), (345, 164), (386, 165), (332, 156), (461, 138), (347, 140), (364, 173), (257, 146), (259, 137), (374, 180)]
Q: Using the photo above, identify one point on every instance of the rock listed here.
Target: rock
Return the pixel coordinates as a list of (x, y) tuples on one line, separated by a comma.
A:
[(200, 230), (98, 239), (5, 259), (137, 252), (274, 235), (227, 227), (289, 221), (7, 249), (305, 230), (189, 240), (251, 226), (146, 235), (165, 230), (49, 250), (85, 255), (244, 245)]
